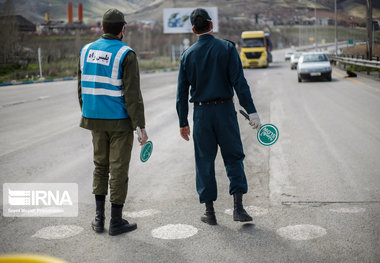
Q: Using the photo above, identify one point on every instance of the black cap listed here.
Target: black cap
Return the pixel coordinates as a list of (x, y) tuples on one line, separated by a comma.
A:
[(199, 12), (113, 16)]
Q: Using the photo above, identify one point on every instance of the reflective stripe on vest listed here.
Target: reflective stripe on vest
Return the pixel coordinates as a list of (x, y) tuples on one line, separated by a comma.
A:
[(107, 92)]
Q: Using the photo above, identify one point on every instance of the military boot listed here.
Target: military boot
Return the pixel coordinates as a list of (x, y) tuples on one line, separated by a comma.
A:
[(98, 222), (239, 212), (209, 216), (118, 225)]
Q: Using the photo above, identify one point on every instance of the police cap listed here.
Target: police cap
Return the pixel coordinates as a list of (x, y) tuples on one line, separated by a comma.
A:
[(199, 12), (113, 16)]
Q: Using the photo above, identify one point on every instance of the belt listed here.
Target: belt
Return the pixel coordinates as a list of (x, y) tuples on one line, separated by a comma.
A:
[(213, 102)]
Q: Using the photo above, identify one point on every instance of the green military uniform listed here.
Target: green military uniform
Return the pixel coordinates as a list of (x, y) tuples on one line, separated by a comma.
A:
[(113, 139)]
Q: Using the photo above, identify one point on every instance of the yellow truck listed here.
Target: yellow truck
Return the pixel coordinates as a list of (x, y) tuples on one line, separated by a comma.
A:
[(254, 49)]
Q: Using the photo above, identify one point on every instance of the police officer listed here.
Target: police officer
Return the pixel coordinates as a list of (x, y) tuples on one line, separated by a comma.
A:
[(213, 69), (112, 107)]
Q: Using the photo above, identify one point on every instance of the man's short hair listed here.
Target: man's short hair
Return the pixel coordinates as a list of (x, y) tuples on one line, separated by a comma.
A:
[(201, 25), (113, 28)]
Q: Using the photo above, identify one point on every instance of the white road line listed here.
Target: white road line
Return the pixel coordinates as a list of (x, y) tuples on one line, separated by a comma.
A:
[(143, 213), (58, 232), (252, 210), (301, 232), (178, 231)]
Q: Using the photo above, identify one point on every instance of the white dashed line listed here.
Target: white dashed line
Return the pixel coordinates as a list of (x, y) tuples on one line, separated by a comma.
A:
[(58, 232), (351, 210), (178, 231), (301, 232), (143, 213), (252, 210)]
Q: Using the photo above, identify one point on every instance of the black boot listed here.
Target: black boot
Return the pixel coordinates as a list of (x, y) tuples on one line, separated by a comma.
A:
[(98, 222), (118, 225), (209, 215), (239, 212)]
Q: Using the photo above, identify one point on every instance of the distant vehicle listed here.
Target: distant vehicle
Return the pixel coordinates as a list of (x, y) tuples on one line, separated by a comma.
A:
[(288, 55), (313, 65), (268, 46), (294, 60), (254, 49)]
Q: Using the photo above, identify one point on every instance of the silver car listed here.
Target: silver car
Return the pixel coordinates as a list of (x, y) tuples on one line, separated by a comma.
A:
[(313, 65), (288, 55), (294, 60)]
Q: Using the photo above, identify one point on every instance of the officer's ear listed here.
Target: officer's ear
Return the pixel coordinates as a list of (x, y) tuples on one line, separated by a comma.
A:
[(194, 31), (211, 25)]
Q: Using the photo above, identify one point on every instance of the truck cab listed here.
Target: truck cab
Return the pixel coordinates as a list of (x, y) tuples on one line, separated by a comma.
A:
[(254, 49)]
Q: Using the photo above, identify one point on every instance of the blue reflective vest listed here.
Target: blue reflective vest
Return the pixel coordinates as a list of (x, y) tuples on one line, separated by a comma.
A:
[(101, 79)]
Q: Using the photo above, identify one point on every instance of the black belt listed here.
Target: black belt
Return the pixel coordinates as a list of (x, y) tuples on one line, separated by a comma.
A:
[(210, 102)]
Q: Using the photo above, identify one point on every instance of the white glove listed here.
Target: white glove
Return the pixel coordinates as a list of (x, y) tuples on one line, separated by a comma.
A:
[(254, 120)]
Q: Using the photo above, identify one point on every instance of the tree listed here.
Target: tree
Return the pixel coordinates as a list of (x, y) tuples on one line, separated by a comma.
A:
[(8, 32)]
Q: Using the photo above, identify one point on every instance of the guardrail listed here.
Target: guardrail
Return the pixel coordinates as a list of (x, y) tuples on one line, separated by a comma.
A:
[(359, 57), (356, 61), (321, 46)]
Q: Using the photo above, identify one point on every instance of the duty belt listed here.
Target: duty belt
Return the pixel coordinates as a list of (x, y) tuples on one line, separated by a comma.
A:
[(211, 102)]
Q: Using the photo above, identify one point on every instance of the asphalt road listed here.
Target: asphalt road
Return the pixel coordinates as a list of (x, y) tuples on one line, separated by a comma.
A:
[(314, 195)]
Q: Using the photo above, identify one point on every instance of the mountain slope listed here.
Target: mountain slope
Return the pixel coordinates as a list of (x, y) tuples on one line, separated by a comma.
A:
[(93, 10)]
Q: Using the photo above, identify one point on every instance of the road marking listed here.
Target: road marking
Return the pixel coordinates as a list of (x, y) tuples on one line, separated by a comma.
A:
[(301, 232), (178, 231), (143, 213), (13, 103), (58, 232), (23, 101), (252, 210), (350, 210), (345, 77)]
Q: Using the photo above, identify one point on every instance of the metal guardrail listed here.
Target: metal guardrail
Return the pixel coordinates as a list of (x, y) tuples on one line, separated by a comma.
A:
[(359, 57), (320, 46), (356, 61)]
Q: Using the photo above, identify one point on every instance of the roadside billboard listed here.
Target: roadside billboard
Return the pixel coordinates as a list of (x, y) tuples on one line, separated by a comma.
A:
[(177, 20)]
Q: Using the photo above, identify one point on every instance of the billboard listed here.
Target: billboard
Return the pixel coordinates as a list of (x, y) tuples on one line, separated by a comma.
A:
[(177, 20)]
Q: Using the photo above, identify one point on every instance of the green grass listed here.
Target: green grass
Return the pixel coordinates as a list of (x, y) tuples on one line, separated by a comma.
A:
[(156, 63)]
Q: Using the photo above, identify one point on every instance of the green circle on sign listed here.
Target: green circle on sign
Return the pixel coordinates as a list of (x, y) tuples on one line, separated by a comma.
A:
[(146, 151), (268, 134)]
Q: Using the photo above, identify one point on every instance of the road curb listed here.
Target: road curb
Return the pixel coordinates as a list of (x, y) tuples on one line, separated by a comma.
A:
[(33, 82)]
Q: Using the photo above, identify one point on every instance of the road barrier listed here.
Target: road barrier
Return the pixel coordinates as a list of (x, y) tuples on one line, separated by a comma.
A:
[(321, 46), (357, 62)]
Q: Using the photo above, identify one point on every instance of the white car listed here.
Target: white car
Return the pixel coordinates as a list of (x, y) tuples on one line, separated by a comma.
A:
[(294, 60), (313, 65), (288, 55)]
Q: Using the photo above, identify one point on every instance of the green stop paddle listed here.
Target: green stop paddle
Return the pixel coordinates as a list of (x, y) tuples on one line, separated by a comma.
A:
[(267, 134), (146, 149)]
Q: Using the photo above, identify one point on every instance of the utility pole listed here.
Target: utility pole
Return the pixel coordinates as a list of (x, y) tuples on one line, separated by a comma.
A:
[(315, 24), (369, 29), (336, 31)]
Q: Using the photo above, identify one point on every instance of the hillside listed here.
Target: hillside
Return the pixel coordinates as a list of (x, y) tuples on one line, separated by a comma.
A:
[(34, 10)]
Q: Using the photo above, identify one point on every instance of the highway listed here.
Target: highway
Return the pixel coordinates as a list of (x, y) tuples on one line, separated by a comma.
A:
[(314, 195)]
